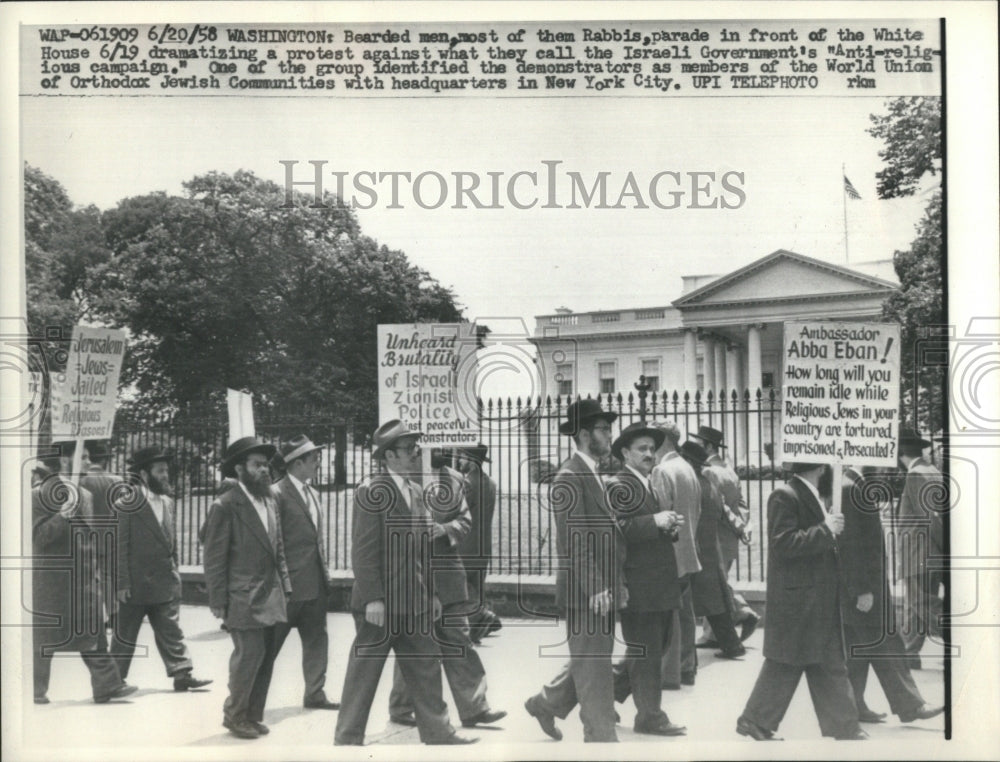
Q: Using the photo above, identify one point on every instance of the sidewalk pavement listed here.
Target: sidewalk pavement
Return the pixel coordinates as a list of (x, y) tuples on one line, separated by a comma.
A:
[(156, 716)]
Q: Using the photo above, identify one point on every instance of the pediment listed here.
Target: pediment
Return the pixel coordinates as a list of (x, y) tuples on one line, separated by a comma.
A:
[(783, 275)]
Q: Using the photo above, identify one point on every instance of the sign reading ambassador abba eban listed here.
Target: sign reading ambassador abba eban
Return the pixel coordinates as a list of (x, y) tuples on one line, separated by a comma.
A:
[(85, 394), (427, 379), (840, 393)]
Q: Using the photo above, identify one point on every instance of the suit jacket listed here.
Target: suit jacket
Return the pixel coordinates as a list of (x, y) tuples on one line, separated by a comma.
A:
[(303, 541), (66, 606), (245, 571), (677, 489), (650, 566), (862, 559), (147, 553), (476, 548), (710, 590), (802, 577), (390, 550), (444, 496), (920, 530), (728, 484), (589, 544)]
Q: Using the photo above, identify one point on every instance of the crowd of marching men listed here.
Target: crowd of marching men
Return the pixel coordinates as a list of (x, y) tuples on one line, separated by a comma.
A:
[(645, 551)]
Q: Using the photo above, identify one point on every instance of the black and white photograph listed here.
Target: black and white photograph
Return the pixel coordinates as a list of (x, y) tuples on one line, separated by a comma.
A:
[(521, 376)]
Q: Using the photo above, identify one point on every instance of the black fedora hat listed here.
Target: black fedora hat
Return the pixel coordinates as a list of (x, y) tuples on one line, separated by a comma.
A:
[(580, 412), (98, 449), (694, 453), (479, 453), (910, 437), (709, 435), (147, 456), (241, 448), (633, 432)]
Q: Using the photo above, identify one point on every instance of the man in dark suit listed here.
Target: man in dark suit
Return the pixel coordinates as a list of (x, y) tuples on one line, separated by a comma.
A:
[(803, 632), (67, 613), (920, 536), (872, 640), (734, 529), (443, 495), (392, 602), (589, 581), (247, 579), (148, 582), (302, 533), (103, 488), (650, 577), (476, 549), (676, 487)]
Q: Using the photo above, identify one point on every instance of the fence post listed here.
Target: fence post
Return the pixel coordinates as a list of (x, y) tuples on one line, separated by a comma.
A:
[(642, 387)]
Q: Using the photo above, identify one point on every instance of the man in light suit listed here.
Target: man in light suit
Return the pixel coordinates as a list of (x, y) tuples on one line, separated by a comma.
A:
[(734, 529), (444, 496), (676, 487), (589, 582), (67, 614), (920, 535), (869, 629), (302, 533), (247, 579), (650, 577), (803, 632), (148, 580), (392, 602)]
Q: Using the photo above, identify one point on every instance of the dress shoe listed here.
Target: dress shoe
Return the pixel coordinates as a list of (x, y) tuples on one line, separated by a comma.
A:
[(494, 625), (41, 699), (483, 718), (671, 686), (187, 682), (748, 626), (260, 727), (924, 712), (665, 728), (687, 678), (747, 728), (324, 704), (867, 715), (735, 653), (711, 643), (404, 719), (546, 719), (121, 691), (860, 735), (453, 740), (241, 728)]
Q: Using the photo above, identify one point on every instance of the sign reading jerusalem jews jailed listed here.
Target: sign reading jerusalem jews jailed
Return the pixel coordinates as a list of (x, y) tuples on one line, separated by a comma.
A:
[(84, 395), (840, 393), (427, 379)]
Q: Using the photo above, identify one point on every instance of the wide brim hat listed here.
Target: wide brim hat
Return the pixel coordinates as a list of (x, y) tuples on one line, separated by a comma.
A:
[(98, 448), (241, 448), (909, 436), (297, 447), (633, 432), (147, 456), (709, 435), (580, 412), (694, 453), (390, 432), (479, 453)]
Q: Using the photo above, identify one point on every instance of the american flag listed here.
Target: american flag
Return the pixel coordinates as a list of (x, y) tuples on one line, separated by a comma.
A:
[(850, 189)]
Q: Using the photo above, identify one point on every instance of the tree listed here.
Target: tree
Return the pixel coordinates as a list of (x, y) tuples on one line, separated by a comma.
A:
[(222, 287), (911, 131)]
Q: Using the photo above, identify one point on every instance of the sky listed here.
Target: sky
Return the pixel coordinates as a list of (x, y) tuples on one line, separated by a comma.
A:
[(508, 262)]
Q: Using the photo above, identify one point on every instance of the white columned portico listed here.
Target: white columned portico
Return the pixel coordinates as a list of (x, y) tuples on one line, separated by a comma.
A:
[(708, 344), (690, 361), (720, 368), (734, 366), (754, 380)]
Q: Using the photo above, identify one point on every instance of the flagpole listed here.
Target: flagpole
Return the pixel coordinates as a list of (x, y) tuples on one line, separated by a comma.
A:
[(843, 190)]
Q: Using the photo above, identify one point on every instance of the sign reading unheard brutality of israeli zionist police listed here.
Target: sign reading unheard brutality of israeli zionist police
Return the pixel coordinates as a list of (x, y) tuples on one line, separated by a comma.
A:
[(84, 396), (840, 393), (426, 378)]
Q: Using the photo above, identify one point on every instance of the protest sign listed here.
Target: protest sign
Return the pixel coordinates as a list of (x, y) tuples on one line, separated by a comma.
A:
[(240, 405), (840, 393), (427, 379), (84, 396)]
